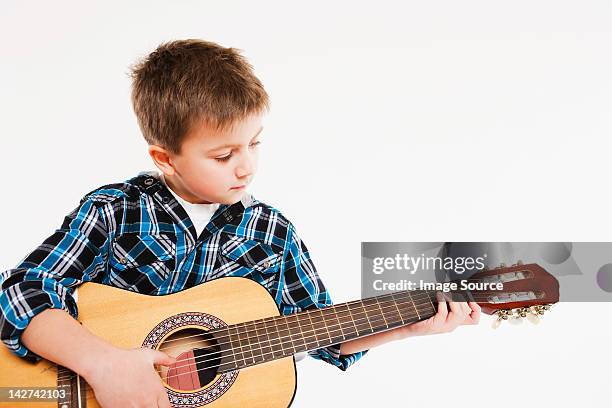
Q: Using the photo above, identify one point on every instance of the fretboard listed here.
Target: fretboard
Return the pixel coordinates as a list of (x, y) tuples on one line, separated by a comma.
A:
[(263, 340)]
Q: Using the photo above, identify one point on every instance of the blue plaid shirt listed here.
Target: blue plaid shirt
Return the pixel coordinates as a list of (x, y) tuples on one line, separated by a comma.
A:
[(136, 236)]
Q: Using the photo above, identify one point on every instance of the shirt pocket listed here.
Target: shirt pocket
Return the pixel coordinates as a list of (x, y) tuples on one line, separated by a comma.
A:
[(256, 256), (142, 262)]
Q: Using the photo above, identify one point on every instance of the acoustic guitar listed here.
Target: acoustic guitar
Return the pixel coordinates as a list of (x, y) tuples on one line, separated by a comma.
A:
[(233, 347)]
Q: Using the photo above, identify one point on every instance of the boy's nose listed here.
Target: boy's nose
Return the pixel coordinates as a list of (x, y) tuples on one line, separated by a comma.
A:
[(244, 168)]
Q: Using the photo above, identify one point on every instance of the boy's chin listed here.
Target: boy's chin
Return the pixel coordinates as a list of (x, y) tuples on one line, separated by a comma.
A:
[(232, 198)]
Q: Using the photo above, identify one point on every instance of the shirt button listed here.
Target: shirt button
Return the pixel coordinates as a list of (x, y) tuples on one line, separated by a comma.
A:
[(123, 261), (267, 264), (165, 200), (148, 181)]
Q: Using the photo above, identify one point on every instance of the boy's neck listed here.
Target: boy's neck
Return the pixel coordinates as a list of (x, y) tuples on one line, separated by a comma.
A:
[(176, 189)]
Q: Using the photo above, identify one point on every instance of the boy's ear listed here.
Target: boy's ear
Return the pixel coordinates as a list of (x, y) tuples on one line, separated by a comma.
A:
[(162, 159)]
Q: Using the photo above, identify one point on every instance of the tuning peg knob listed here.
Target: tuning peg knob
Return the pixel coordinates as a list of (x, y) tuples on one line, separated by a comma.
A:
[(533, 318), (516, 320), (501, 315)]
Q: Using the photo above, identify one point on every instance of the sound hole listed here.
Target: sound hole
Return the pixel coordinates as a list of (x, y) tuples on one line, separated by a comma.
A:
[(197, 359)]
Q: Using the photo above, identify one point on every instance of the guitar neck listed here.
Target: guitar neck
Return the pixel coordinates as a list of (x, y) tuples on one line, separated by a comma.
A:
[(259, 341)]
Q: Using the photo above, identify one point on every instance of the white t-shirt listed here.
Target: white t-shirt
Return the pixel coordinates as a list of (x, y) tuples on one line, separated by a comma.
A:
[(199, 214)]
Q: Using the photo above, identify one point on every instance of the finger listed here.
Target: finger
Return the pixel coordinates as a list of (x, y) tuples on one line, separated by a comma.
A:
[(162, 358), (455, 317), (465, 308), (163, 401), (475, 306), (440, 317), (476, 312)]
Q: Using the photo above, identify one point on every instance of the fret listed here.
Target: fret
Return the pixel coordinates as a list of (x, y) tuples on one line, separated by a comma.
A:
[(237, 351), (335, 332), (359, 318), (306, 332), (329, 336), (431, 306), (263, 342), (285, 336), (365, 312), (392, 315), (276, 341), (226, 349), (295, 331), (247, 349), (349, 327), (406, 307), (335, 314), (318, 323), (313, 342), (413, 305), (373, 312), (423, 304), (397, 308), (382, 313)]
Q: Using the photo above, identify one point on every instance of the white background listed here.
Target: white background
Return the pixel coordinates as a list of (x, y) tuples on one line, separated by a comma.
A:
[(390, 121)]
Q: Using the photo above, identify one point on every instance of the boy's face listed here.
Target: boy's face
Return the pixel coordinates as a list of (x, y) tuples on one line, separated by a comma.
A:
[(212, 166)]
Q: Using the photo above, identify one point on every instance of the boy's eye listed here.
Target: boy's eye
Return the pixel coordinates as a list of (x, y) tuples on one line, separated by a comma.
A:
[(224, 158)]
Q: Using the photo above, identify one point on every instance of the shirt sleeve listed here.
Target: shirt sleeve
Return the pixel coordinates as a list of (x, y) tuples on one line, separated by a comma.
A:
[(46, 278), (302, 289)]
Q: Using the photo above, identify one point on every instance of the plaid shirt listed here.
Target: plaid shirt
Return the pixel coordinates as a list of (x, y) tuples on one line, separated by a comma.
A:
[(136, 236)]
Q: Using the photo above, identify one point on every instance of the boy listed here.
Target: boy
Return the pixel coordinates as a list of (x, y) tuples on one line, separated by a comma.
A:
[(200, 109)]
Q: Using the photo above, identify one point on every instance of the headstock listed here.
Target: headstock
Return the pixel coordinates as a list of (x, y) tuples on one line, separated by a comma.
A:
[(528, 291)]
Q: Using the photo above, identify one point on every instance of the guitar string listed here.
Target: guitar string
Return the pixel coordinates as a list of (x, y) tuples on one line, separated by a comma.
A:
[(305, 312), (331, 326), (272, 352), (479, 297), (203, 358), (270, 319), (261, 325), (268, 344), (315, 330), (253, 328)]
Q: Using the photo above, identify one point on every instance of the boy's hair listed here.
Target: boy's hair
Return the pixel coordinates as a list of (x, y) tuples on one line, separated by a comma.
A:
[(188, 81)]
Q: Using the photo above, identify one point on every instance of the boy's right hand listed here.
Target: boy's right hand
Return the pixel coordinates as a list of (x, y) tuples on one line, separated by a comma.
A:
[(127, 378)]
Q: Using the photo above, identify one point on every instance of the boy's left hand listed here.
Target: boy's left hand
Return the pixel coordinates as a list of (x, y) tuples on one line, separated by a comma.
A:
[(445, 320)]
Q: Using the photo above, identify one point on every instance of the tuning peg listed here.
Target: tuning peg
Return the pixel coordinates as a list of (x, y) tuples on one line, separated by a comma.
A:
[(533, 318), (495, 324), (516, 320), (522, 311), (501, 315), (540, 309)]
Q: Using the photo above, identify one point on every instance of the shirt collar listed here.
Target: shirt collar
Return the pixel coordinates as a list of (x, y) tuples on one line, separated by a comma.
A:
[(150, 184)]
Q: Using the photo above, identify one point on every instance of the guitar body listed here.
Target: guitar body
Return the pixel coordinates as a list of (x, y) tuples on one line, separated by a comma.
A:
[(130, 320)]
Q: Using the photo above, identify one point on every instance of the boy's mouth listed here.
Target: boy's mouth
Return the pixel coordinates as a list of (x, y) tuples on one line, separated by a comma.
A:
[(238, 187)]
